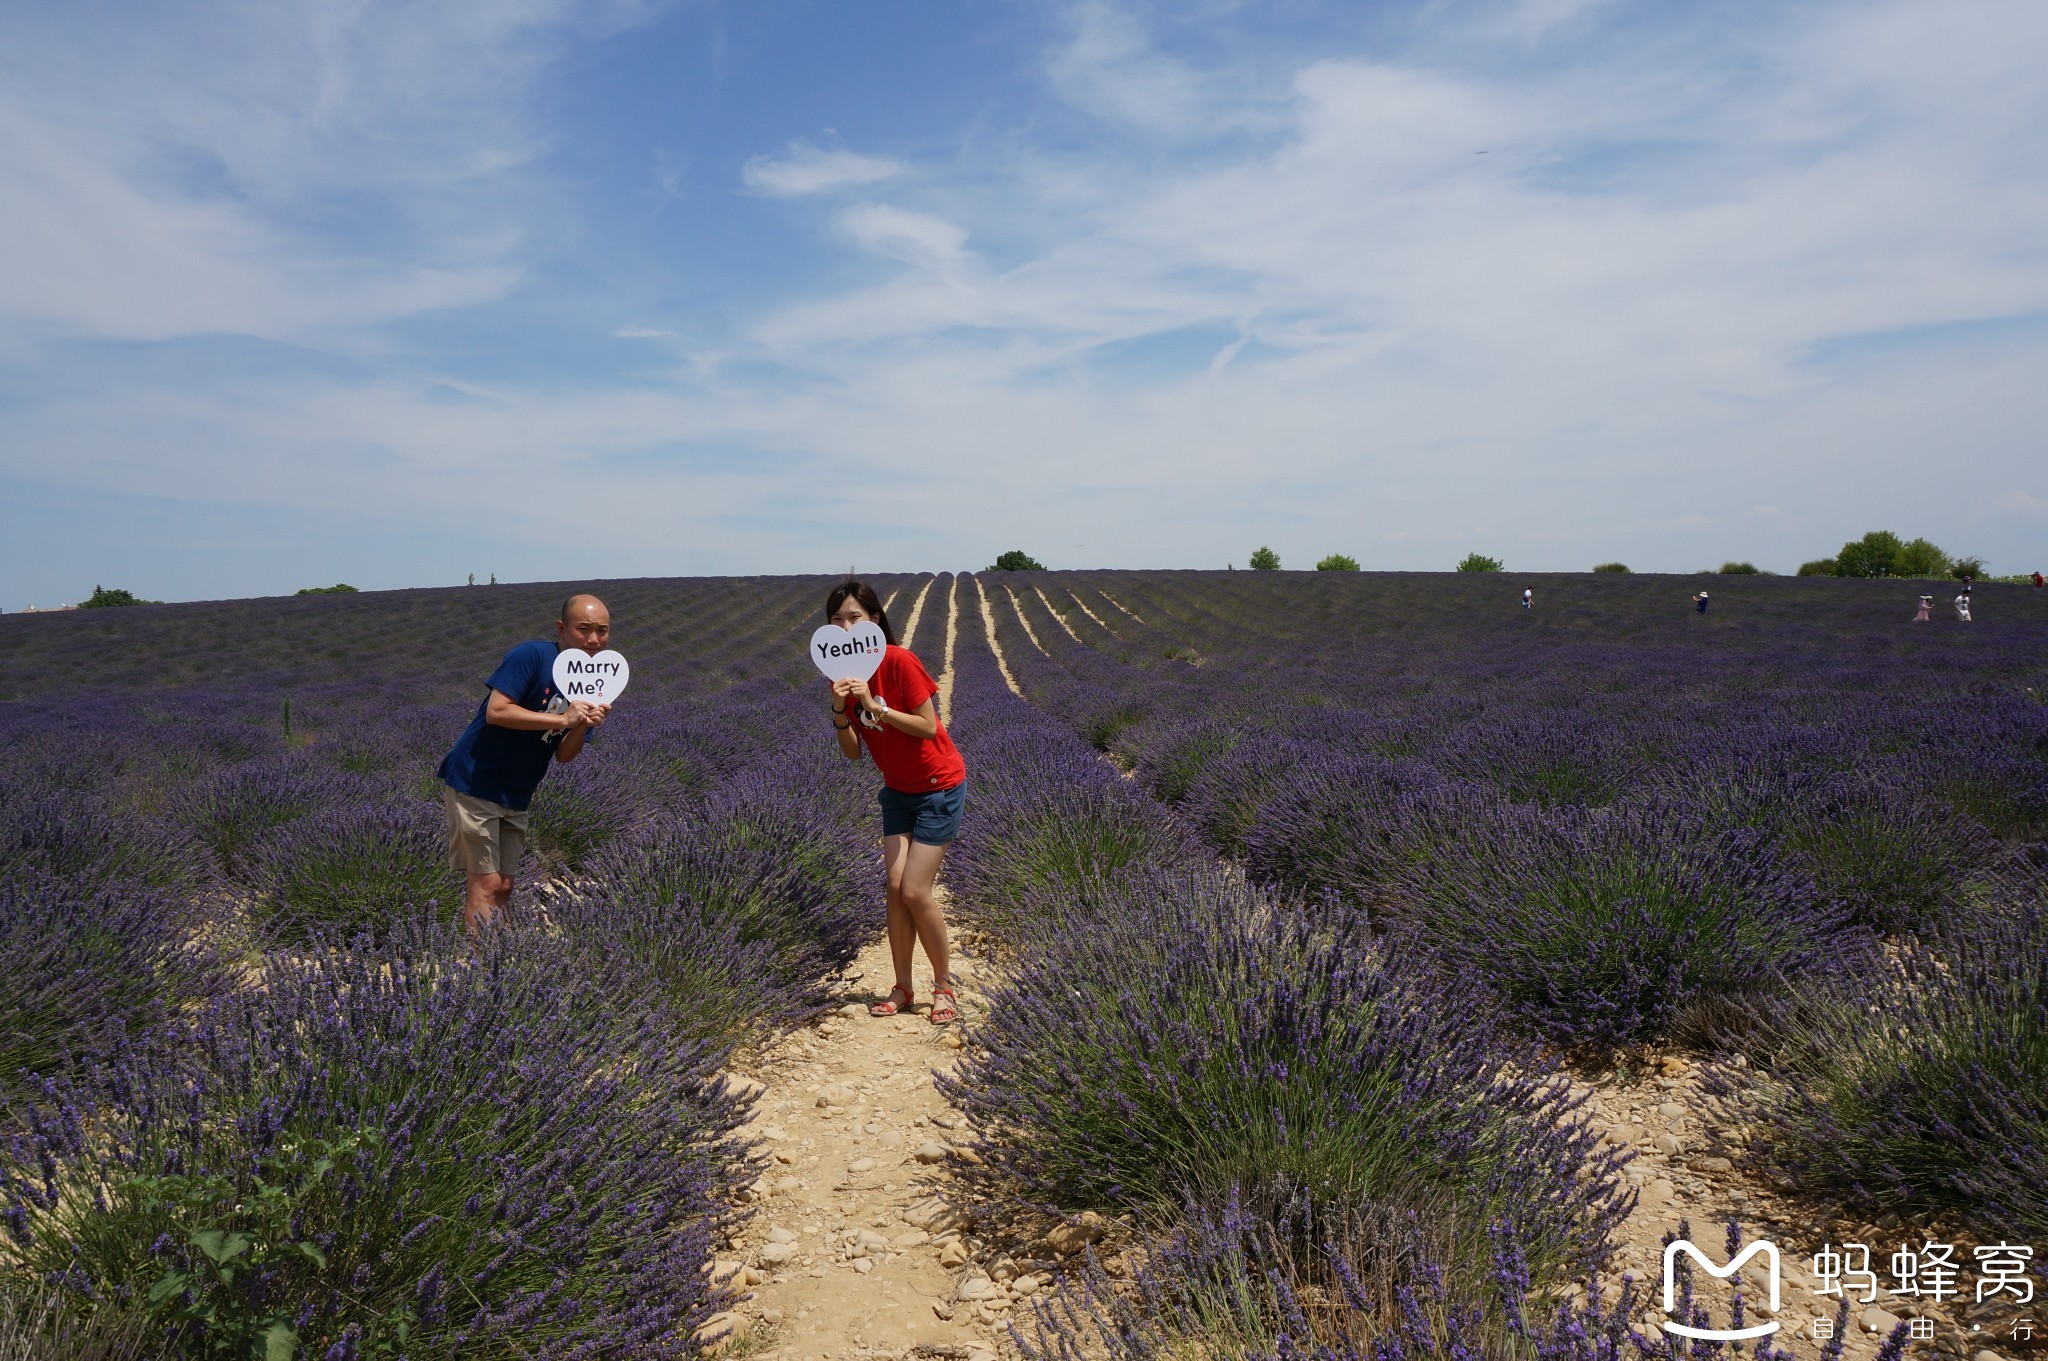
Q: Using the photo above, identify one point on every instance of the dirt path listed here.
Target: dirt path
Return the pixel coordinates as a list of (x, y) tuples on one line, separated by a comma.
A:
[(853, 1250), (1043, 599), (1019, 612)]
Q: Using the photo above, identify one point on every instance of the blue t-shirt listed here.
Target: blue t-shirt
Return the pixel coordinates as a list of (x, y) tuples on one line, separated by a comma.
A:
[(505, 765)]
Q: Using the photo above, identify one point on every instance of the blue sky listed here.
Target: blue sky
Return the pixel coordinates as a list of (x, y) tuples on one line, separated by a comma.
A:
[(391, 293)]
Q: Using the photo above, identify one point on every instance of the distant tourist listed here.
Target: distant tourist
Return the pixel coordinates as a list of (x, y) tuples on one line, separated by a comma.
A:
[(924, 787), (497, 763), (1968, 581), (1699, 602), (1528, 598), (2039, 580), (1963, 607), (1926, 610)]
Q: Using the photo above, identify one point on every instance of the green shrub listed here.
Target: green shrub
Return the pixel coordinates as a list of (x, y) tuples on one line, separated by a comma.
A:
[(338, 588), (1876, 554), (1479, 562), (1264, 559), (1621, 567), (1338, 562), (1017, 560), (102, 598), (1739, 569), (1972, 567), (1819, 567)]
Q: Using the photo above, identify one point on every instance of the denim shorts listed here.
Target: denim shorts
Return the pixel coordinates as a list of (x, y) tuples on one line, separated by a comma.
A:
[(931, 819)]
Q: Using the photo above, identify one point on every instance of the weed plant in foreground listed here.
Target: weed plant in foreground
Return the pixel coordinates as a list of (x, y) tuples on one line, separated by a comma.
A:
[(1190, 1038), (307, 1166), (41, 1325)]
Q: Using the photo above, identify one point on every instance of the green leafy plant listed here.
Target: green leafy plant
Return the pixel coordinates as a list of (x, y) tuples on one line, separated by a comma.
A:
[(1621, 567), (1017, 560), (1876, 554), (1972, 567), (102, 598), (1739, 569), (338, 588), (1338, 562), (1264, 559), (1819, 567), (1919, 558), (226, 1233), (1479, 562)]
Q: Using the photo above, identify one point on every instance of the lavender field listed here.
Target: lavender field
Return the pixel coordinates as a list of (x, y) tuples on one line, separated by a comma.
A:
[(1338, 922)]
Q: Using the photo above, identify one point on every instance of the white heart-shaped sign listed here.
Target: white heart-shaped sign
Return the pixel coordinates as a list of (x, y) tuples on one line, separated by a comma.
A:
[(853, 653), (595, 680)]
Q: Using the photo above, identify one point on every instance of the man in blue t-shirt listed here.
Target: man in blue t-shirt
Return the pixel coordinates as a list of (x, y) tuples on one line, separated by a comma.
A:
[(497, 763)]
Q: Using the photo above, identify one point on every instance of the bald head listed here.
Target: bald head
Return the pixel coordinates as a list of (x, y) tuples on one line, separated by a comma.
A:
[(585, 623)]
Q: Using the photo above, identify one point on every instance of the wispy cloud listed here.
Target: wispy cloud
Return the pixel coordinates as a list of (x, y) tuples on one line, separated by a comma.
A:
[(1577, 282), (268, 170), (803, 169)]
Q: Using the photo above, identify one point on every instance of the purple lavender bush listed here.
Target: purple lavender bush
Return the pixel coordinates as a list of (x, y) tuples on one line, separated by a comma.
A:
[(359, 869), (690, 956), (577, 810), (231, 810), (1231, 1281), (71, 836), (1920, 1082), (1603, 929), (428, 1153), (760, 862), (1189, 1036), (1897, 858), (1052, 822), (89, 965), (1355, 826)]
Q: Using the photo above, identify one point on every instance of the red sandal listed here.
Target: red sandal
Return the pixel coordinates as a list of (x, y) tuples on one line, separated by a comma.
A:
[(947, 1010), (890, 1007)]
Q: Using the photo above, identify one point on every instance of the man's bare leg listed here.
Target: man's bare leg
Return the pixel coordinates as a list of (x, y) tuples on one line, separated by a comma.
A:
[(483, 895)]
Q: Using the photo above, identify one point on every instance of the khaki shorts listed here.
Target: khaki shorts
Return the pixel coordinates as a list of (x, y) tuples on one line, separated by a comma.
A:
[(483, 837)]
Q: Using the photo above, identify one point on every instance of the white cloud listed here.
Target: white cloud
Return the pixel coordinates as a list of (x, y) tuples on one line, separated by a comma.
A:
[(1678, 312), (901, 234), (804, 169), (177, 174)]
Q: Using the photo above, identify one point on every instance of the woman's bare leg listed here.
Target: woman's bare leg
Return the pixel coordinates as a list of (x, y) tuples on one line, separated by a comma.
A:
[(902, 930), (914, 916)]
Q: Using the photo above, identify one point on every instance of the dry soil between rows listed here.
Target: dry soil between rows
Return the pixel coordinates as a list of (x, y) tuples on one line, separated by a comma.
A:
[(855, 1248)]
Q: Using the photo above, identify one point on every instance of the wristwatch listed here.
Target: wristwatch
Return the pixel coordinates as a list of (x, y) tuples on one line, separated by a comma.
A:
[(874, 720)]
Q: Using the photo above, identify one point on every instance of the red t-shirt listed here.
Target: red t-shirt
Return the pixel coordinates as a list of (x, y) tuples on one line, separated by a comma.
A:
[(909, 765)]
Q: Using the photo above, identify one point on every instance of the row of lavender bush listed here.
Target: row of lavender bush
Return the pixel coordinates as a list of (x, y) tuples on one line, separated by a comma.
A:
[(1632, 837), (1265, 1093), (264, 1096)]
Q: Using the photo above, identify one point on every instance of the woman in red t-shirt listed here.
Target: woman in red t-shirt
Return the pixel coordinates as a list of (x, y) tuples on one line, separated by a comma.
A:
[(924, 785)]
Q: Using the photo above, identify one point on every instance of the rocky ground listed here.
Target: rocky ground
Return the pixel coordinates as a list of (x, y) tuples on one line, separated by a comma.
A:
[(857, 1246), (1689, 1170)]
